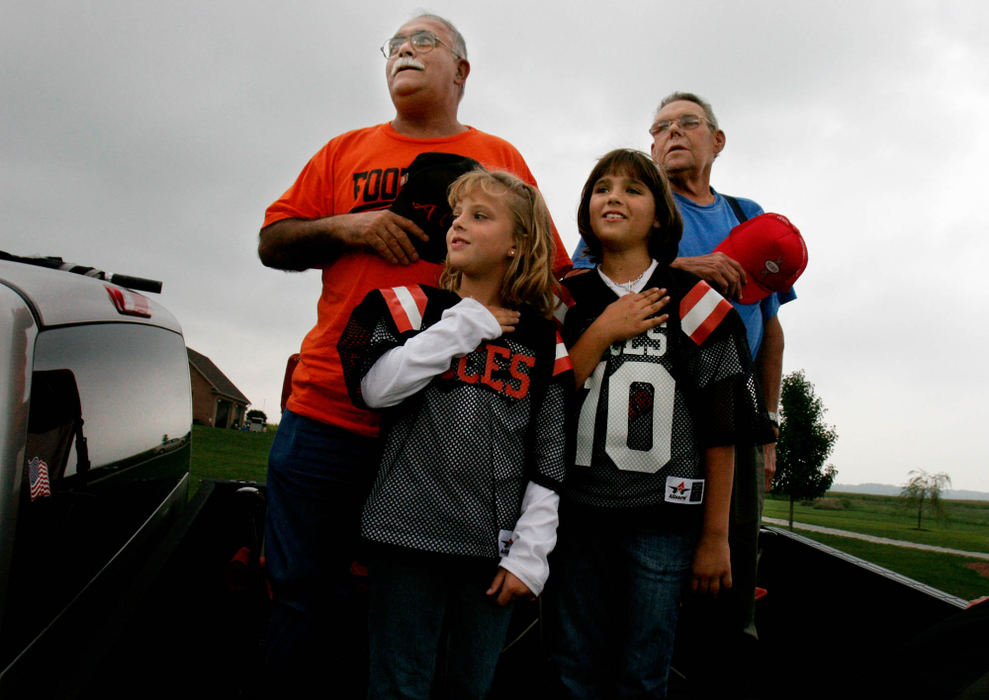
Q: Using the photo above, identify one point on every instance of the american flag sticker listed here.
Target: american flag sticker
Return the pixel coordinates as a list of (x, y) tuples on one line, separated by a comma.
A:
[(37, 471)]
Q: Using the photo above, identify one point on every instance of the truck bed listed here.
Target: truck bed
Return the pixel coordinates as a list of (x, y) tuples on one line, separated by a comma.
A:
[(831, 625)]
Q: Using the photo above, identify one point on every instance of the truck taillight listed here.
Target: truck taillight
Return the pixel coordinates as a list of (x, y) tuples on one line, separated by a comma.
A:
[(129, 303)]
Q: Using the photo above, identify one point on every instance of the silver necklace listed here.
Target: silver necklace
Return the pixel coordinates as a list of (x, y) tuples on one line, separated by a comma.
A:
[(627, 286)]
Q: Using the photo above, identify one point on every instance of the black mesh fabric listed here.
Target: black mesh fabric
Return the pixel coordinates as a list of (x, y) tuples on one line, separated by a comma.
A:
[(459, 453), (656, 401)]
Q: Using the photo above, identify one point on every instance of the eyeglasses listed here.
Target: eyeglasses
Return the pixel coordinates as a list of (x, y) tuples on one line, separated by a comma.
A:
[(422, 41), (687, 122)]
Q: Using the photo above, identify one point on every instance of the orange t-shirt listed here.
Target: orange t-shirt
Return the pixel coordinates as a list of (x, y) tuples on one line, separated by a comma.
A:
[(359, 171)]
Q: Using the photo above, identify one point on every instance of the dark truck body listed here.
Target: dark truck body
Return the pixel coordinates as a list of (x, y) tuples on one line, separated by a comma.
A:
[(95, 435), (114, 585), (831, 625)]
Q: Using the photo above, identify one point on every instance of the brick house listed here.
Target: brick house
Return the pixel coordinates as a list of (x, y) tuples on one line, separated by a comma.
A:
[(215, 399)]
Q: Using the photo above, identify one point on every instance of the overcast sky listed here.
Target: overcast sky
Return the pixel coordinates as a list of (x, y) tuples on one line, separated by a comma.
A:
[(148, 138)]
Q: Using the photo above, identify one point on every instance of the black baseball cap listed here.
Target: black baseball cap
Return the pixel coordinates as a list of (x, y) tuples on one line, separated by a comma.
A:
[(423, 198)]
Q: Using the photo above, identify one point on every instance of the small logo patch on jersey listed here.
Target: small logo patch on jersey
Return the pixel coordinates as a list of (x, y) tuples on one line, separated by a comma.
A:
[(688, 491), (505, 542)]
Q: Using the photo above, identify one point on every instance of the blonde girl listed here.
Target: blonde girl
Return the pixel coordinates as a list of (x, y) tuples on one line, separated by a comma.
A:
[(474, 379)]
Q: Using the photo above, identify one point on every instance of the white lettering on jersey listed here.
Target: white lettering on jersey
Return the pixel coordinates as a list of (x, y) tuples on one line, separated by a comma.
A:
[(651, 343), (620, 398)]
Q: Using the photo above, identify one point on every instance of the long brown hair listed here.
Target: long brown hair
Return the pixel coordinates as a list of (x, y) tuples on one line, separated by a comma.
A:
[(529, 278), (663, 239)]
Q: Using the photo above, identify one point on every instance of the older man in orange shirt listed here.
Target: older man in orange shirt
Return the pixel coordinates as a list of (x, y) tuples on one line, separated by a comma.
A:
[(335, 217)]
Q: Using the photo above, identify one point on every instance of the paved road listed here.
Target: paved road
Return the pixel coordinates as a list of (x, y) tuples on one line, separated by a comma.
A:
[(871, 538)]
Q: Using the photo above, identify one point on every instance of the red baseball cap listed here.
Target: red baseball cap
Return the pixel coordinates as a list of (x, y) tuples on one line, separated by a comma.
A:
[(771, 250)]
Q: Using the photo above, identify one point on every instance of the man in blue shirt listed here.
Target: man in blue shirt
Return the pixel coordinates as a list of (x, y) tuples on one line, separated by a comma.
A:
[(686, 141)]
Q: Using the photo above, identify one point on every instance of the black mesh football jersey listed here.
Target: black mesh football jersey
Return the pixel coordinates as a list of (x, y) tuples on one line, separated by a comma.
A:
[(656, 401), (459, 453)]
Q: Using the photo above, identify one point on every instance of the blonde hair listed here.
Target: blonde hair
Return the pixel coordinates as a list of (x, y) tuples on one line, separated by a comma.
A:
[(529, 278)]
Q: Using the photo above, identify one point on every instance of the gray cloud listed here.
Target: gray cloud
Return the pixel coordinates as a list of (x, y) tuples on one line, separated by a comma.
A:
[(148, 139)]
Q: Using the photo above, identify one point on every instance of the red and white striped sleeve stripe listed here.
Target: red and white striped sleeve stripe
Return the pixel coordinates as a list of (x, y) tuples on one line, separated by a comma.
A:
[(564, 300), (701, 310), (562, 362), (406, 305)]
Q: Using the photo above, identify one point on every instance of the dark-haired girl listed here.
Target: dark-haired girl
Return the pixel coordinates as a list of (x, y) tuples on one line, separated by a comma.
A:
[(662, 399)]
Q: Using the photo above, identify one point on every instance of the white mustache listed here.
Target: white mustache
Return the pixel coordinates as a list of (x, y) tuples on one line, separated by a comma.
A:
[(406, 62)]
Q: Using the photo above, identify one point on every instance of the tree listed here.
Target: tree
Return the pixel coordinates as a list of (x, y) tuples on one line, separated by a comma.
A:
[(804, 443), (254, 412), (923, 487)]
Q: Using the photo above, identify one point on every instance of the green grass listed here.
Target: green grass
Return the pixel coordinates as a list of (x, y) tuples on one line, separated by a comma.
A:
[(236, 454), (945, 572), (966, 526), (229, 454)]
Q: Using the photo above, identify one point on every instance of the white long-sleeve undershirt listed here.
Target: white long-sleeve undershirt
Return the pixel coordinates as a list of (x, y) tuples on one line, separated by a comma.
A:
[(534, 537), (402, 371)]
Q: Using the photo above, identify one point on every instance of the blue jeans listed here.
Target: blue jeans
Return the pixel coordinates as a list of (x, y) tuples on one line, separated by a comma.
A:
[(612, 603), (318, 478), (720, 632), (418, 608)]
